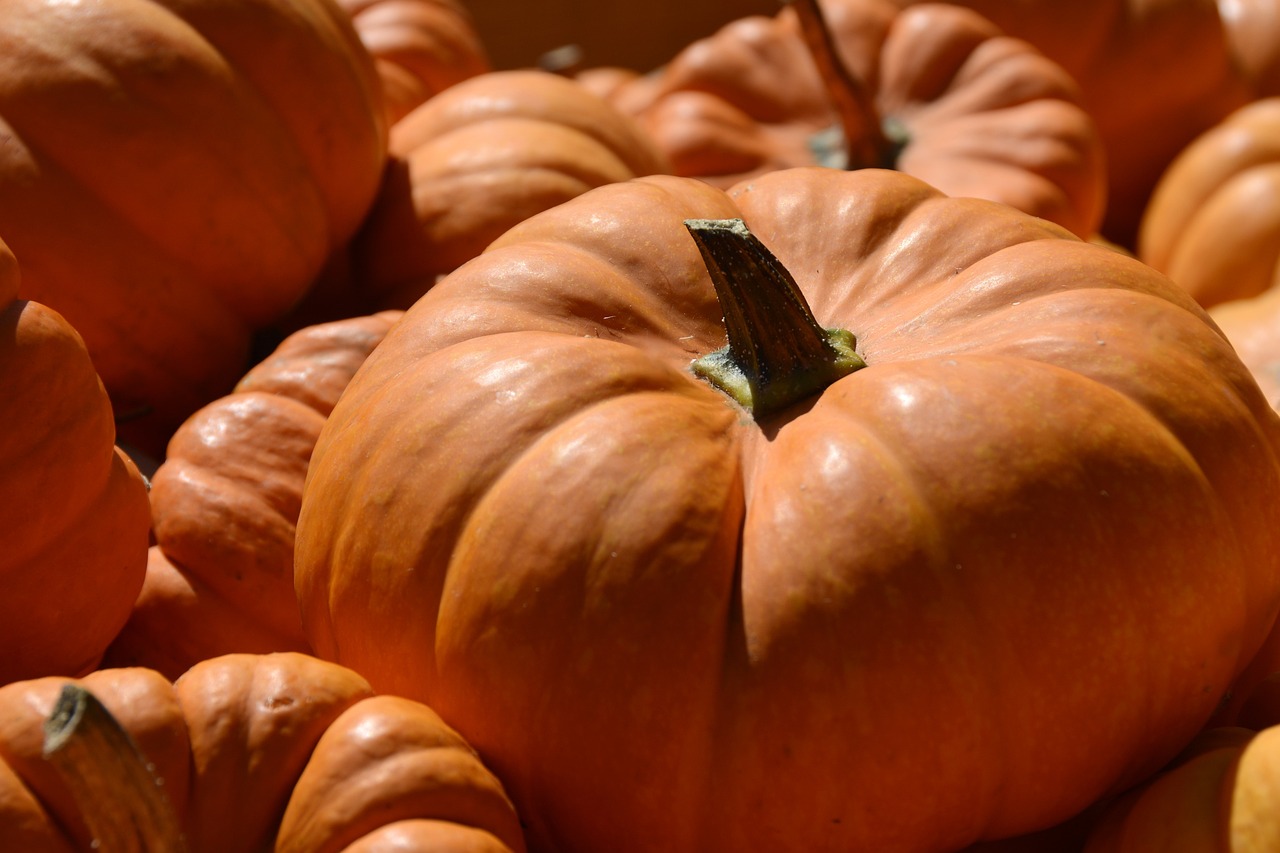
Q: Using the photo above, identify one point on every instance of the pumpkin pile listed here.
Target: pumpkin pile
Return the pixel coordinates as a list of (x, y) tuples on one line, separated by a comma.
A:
[(858, 430)]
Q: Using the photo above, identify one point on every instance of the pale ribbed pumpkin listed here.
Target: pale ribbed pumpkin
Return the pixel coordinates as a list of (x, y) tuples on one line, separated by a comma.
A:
[(1010, 565), (277, 752)]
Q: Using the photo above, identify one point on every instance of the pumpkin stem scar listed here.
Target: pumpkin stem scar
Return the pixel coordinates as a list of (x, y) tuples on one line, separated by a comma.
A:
[(123, 802), (868, 142), (777, 353)]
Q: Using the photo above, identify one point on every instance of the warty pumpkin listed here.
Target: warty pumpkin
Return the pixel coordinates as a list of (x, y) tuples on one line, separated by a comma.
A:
[(175, 174), (73, 506), (275, 752), (1008, 566), (480, 157), (225, 501), (1213, 223), (420, 47), (935, 91)]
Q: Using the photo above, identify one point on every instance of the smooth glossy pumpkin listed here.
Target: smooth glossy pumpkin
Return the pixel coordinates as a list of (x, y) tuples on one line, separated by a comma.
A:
[(176, 173), (1223, 796), (1253, 31), (941, 94), (1213, 223), (1008, 566), (73, 507), (480, 157), (275, 752), (225, 501), (420, 47)]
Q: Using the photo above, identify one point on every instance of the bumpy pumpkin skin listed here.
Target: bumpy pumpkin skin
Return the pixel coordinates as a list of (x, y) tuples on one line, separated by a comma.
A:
[(176, 174), (985, 115), (420, 47), (73, 507), (1213, 223), (479, 158), (244, 744), (225, 501), (1038, 527)]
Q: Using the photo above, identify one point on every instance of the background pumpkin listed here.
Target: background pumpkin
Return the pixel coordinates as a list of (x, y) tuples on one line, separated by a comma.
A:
[(1213, 224), (420, 47), (73, 506), (1153, 74), (1219, 797), (273, 752), (478, 158), (864, 623), (176, 173), (225, 501), (948, 99)]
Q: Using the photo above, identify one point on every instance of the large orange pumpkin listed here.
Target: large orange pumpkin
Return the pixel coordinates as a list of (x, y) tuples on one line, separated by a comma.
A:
[(73, 507), (935, 91), (243, 753), (1008, 566), (175, 174), (225, 501)]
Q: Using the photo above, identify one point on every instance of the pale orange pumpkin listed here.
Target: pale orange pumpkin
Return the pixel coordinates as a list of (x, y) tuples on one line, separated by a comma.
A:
[(278, 752)]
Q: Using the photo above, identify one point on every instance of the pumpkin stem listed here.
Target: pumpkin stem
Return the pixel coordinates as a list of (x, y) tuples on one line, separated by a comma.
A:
[(115, 787), (868, 142), (777, 354)]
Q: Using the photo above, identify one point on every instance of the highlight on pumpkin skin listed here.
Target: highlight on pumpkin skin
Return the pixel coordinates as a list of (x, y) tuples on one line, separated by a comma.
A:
[(777, 353)]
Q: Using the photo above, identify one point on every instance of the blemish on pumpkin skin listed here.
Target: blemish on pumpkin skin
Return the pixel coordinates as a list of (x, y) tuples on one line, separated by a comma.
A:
[(274, 703)]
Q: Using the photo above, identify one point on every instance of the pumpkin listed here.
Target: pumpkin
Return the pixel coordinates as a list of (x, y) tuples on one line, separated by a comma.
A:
[(1213, 224), (243, 752), (225, 501), (175, 174), (1152, 74), (73, 506), (1009, 565), (1222, 796), (480, 157), (935, 91), (420, 47), (1253, 32)]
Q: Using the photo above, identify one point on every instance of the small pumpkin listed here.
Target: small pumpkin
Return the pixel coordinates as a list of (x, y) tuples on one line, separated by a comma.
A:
[(275, 752), (1253, 32), (480, 157), (225, 501), (420, 47), (73, 506), (176, 174), (1213, 223), (1221, 796), (934, 90), (681, 602)]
